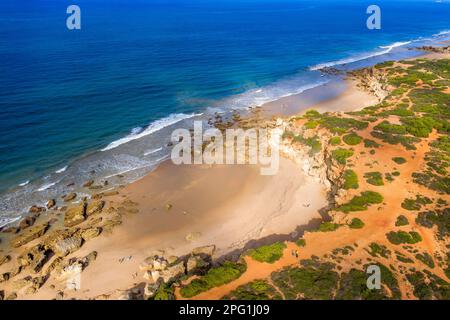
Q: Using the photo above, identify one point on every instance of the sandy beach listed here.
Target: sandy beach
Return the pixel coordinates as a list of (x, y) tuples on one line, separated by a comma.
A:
[(227, 206), (336, 96)]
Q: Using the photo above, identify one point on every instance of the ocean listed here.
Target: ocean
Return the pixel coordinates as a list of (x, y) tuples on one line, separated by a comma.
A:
[(102, 101)]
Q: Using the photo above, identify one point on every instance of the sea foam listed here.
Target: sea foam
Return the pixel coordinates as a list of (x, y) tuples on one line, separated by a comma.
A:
[(361, 57), (153, 127)]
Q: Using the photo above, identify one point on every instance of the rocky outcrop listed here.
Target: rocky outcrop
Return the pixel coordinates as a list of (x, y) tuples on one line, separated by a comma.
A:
[(69, 197), (435, 49), (206, 250), (75, 266), (158, 268), (4, 259), (29, 235), (95, 207), (51, 203), (373, 81), (63, 242), (26, 222), (33, 258), (75, 215), (36, 209), (196, 264), (90, 233)]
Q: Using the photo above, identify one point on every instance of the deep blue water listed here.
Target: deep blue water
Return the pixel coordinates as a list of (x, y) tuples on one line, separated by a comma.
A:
[(66, 94)]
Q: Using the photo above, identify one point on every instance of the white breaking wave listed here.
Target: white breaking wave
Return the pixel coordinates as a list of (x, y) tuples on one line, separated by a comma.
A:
[(6, 221), (153, 127), (386, 50), (261, 96), (61, 170), (152, 151), (23, 184), (442, 33), (46, 186)]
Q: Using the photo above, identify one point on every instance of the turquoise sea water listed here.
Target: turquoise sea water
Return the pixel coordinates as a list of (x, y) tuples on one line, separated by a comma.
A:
[(102, 100)]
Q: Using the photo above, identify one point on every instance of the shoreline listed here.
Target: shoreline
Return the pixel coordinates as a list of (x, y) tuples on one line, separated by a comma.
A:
[(199, 203), (228, 207)]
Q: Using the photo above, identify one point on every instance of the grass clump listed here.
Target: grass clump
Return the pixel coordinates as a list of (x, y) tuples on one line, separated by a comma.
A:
[(341, 155), (401, 237), (374, 178), (218, 276), (352, 139), (361, 202), (401, 221), (268, 253), (356, 224), (350, 180), (399, 160)]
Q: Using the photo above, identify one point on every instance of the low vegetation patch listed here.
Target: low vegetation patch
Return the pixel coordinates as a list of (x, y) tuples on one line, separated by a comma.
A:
[(352, 139), (217, 276), (328, 227), (350, 180), (374, 178), (255, 290), (401, 221), (361, 202), (415, 204), (356, 223), (399, 160), (268, 253), (401, 237), (341, 155)]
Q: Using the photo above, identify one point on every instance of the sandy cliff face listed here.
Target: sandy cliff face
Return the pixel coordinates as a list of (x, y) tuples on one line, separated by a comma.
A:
[(373, 81)]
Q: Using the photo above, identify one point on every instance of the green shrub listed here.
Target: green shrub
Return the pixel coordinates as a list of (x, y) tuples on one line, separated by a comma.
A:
[(215, 277), (401, 221), (374, 178), (341, 155), (268, 253), (426, 259), (361, 202), (356, 224), (352, 139), (301, 242), (415, 204), (401, 237), (371, 144), (399, 160), (350, 180), (311, 281), (255, 290), (311, 124), (378, 250), (328, 226), (334, 141)]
